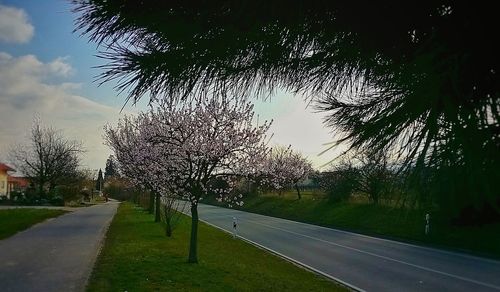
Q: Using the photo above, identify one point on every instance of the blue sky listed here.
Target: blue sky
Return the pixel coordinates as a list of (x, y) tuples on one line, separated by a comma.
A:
[(47, 70), (53, 37)]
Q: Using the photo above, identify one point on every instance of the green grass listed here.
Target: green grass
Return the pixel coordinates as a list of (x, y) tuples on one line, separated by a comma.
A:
[(395, 223), (137, 256), (15, 220)]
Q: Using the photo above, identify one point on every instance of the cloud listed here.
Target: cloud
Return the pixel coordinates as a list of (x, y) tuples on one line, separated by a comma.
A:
[(60, 67), (14, 25), (296, 124), (29, 87)]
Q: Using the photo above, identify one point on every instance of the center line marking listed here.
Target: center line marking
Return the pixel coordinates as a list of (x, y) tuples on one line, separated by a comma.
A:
[(382, 257)]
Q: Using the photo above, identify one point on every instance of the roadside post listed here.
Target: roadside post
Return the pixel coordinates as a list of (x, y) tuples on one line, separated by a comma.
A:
[(235, 227), (427, 223)]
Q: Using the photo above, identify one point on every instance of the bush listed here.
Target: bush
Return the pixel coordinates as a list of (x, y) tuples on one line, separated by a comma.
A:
[(57, 201), (342, 184), (16, 196)]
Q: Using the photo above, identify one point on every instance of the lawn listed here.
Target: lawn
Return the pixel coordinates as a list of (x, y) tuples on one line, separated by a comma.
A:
[(137, 256), (15, 220), (390, 222)]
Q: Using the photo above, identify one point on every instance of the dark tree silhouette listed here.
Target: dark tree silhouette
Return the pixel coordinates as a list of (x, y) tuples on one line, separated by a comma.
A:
[(110, 169), (419, 78), (99, 181), (48, 158)]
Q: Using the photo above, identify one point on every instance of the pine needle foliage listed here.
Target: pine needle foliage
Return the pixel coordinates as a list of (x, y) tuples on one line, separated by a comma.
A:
[(419, 78)]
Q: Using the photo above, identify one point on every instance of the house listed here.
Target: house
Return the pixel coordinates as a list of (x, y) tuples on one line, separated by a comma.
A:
[(10, 183), (4, 179), (17, 183)]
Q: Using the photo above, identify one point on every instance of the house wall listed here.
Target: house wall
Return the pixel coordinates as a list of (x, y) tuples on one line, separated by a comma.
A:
[(3, 183)]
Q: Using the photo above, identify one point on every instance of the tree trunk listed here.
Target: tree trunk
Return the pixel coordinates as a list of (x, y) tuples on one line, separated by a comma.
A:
[(157, 208), (168, 229), (151, 202), (193, 245), (298, 191)]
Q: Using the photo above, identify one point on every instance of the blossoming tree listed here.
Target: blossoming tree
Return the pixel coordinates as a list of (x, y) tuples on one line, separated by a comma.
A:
[(140, 163), (185, 147), (286, 168)]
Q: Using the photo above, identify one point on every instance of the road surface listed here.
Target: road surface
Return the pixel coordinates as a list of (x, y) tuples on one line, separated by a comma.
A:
[(56, 255), (362, 262)]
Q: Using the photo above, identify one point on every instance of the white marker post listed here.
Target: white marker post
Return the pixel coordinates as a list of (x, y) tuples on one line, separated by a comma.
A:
[(235, 227), (427, 223)]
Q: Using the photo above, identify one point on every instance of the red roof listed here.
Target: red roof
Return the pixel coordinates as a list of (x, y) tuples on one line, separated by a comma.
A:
[(5, 167), (19, 181)]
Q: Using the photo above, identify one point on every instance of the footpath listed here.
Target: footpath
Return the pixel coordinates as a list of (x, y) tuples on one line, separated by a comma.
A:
[(56, 255)]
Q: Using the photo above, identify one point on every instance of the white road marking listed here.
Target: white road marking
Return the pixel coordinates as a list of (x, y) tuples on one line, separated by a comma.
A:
[(382, 257), (288, 258), (477, 258)]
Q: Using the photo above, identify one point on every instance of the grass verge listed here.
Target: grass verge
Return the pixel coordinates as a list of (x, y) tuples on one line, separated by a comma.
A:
[(379, 220), (137, 256), (15, 220)]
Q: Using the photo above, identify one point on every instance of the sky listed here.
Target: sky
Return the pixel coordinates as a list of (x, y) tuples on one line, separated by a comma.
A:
[(48, 71)]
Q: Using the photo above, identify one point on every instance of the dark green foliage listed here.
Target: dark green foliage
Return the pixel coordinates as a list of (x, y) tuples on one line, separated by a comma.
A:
[(121, 189), (99, 182), (111, 168), (340, 183)]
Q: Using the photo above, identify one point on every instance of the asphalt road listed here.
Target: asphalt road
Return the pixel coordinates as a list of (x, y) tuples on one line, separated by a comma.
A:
[(362, 262), (56, 255)]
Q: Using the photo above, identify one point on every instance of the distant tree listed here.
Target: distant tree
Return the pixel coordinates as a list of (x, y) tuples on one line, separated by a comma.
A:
[(71, 189), (341, 181), (374, 175), (48, 160), (99, 181), (286, 168), (110, 169)]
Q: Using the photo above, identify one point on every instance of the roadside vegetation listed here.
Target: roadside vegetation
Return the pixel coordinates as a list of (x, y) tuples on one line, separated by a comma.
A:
[(15, 220), (138, 257)]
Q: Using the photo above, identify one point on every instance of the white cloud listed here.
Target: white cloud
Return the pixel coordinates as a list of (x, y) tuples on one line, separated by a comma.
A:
[(60, 67), (296, 124), (14, 25), (27, 88)]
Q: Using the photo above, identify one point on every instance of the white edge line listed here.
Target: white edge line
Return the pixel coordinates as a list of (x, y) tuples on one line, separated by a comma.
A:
[(373, 237), (383, 257), (289, 258)]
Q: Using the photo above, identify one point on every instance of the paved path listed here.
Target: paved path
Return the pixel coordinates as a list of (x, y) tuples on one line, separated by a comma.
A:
[(56, 255), (363, 262)]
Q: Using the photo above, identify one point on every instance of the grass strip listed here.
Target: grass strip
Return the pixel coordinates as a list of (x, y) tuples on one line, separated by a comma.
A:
[(15, 220), (137, 256)]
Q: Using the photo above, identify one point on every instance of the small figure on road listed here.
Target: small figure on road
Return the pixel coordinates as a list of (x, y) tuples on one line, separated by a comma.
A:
[(235, 227)]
